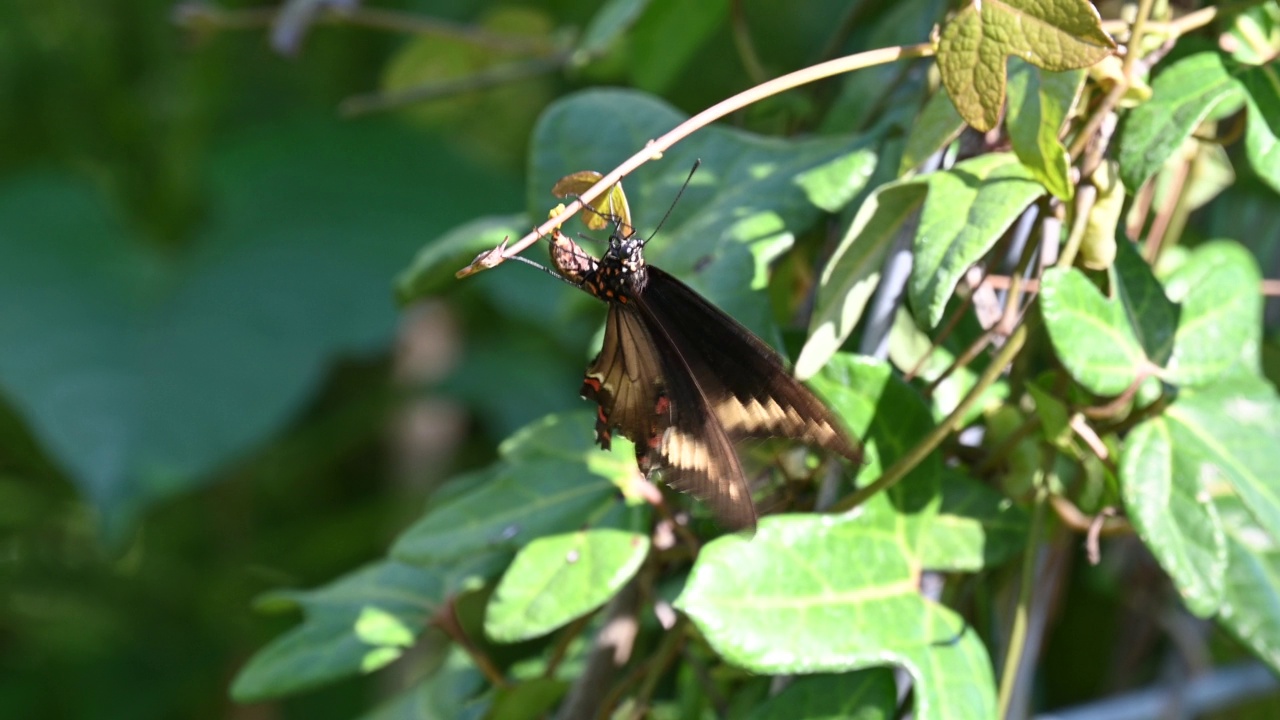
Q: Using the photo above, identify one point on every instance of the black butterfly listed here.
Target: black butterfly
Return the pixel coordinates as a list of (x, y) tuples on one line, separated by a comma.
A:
[(682, 380)]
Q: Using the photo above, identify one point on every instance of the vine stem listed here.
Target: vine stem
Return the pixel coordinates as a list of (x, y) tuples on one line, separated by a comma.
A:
[(942, 430), (654, 149), (1022, 615)]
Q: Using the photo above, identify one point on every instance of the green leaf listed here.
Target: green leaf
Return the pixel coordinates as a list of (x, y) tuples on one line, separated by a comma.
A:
[(1251, 595), (856, 388), (1182, 97), (969, 207), (1171, 509), (864, 695), (559, 578), (519, 502), (1051, 34), (1262, 145), (335, 639), (433, 268), (853, 271), (1227, 433), (142, 369), (976, 528), (937, 126), (447, 694), (549, 479), (1220, 328), (1039, 102), (1090, 333), (376, 626), (790, 601), (1152, 316), (743, 208)]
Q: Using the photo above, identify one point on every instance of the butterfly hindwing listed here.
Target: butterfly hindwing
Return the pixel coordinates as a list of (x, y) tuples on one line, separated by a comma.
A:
[(625, 379)]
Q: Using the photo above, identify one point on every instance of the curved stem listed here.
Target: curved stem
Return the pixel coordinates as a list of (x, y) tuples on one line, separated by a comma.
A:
[(1022, 615), (943, 429), (654, 149)]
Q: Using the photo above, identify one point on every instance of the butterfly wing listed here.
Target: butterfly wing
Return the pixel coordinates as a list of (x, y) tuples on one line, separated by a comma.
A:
[(646, 390), (747, 386), (695, 452), (625, 379)]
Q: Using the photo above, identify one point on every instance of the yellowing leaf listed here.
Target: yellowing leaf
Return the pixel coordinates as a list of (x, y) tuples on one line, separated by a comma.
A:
[(1053, 35)]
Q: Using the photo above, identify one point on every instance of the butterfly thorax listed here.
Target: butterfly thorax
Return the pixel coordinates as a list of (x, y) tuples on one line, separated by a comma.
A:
[(622, 273)]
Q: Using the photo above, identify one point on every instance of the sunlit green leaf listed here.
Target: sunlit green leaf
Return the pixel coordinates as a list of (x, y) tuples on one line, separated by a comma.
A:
[(329, 644), (1263, 124), (558, 578), (975, 528), (1182, 97), (1039, 102), (1091, 334), (1168, 503), (968, 208), (790, 601), (1228, 432), (1220, 326), (1251, 596)]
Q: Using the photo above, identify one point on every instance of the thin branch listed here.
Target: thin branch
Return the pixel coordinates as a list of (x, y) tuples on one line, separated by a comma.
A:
[(1112, 98), (654, 149), (1022, 614), (942, 430)]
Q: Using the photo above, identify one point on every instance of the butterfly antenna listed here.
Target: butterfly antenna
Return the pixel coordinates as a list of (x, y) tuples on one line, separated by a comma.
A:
[(662, 222)]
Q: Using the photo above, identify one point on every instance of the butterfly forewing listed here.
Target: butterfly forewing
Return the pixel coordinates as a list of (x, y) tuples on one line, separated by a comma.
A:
[(749, 388)]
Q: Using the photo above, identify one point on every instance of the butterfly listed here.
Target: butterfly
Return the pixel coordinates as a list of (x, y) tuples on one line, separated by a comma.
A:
[(682, 379)]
